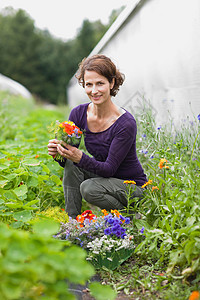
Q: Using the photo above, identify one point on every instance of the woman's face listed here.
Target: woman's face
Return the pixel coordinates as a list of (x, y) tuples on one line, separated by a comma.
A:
[(97, 87)]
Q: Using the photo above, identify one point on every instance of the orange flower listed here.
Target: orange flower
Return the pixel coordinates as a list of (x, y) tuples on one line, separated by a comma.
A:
[(147, 183), (154, 188), (37, 156), (87, 214), (104, 211), (80, 218), (195, 295), (115, 211), (129, 181), (162, 163)]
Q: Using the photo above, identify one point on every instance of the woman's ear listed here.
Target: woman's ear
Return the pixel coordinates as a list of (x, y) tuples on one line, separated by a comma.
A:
[(112, 83)]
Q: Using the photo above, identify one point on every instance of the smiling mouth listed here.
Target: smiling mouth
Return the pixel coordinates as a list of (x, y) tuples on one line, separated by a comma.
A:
[(96, 97)]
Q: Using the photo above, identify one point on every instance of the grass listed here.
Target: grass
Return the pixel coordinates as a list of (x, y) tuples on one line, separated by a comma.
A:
[(166, 261)]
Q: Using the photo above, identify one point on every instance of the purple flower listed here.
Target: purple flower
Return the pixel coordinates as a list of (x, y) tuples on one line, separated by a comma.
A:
[(143, 151), (198, 117), (159, 127), (121, 217), (107, 231), (142, 229), (127, 220), (118, 233), (143, 135), (123, 235), (116, 228)]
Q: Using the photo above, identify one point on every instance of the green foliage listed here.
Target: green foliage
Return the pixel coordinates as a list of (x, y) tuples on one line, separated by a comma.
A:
[(54, 213), (166, 262), (36, 59), (29, 179), (102, 292), (170, 215), (33, 265), (36, 266)]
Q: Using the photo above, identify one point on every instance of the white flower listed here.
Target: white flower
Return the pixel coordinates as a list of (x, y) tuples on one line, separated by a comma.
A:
[(109, 258)]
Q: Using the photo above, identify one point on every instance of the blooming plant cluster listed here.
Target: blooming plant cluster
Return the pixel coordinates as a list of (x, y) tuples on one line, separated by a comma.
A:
[(99, 235), (195, 295), (69, 133)]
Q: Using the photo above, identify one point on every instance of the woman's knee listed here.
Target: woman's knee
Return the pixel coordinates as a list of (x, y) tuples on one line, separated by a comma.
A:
[(87, 189)]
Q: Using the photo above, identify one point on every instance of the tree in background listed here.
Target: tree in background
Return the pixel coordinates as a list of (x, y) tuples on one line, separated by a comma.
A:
[(19, 45), (42, 63)]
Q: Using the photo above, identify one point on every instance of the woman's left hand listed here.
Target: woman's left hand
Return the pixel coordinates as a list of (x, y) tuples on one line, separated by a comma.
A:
[(69, 152)]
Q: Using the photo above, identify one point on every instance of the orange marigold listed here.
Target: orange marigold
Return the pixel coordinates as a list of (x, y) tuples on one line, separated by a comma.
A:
[(147, 183), (115, 211), (195, 295), (162, 163), (104, 211), (154, 188), (129, 181)]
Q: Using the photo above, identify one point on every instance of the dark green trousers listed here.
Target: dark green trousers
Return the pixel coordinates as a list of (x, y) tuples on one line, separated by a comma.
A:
[(106, 193)]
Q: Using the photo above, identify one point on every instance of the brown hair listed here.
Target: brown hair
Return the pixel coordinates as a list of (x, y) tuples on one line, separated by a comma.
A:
[(104, 67)]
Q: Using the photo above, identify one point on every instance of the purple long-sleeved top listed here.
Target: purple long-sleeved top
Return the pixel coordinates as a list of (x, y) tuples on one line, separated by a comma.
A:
[(113, 150)]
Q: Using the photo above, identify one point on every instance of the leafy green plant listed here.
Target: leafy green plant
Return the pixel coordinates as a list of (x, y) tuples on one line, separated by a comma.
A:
[(36, 266), (170, 208)]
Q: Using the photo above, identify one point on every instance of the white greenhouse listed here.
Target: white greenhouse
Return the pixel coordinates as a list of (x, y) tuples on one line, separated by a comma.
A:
[(156, 44)]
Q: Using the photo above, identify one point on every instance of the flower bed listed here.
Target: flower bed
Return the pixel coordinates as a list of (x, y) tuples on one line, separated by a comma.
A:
[(106, 238)]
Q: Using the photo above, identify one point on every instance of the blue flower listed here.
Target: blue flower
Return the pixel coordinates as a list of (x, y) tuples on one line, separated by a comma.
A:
[(123, 235), (81, 243), (121, 217), (143, 135), (127, 220), (143, 151), (142, 229), (198, 117), (159, 127), (116, 228), (107, 231)]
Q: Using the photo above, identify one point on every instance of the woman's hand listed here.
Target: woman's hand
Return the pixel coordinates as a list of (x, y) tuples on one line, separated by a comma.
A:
[(69, 152), (52, 147)]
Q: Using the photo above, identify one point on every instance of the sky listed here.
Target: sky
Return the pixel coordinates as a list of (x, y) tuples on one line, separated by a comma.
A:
[(63, 18)]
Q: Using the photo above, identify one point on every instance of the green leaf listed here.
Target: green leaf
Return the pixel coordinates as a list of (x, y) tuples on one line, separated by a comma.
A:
[(56, 179), (23, 216), (14, 205), (1, 201), (10, 195), (75, 259), (188, 250), (102, 292), (21, 190), (46, 228), (30, 203), (32, 181), (45, 168), (3, 183), (31, 162), (11, 291), (190, 221), (17, 224)]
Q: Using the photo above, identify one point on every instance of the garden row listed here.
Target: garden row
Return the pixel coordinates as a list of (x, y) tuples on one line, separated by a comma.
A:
[(31, 196), (33, 265)]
